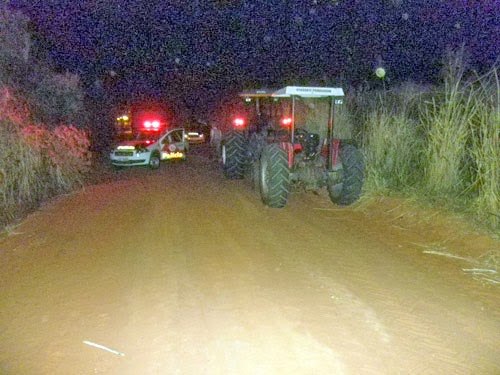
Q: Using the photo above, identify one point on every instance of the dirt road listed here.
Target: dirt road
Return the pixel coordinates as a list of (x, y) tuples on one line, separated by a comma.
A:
[(184, 272)]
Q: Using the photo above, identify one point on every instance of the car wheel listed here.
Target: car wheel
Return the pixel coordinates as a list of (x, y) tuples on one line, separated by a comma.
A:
[(154, 161)]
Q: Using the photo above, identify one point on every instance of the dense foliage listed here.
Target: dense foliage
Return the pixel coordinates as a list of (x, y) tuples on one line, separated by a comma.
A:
[(44, 149)]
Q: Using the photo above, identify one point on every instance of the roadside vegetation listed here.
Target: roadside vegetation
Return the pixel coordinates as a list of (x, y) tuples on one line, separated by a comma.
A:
[(437, 145), (44, 147)]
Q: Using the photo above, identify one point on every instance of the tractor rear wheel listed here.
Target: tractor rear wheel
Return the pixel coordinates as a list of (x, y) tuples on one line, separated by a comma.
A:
[(274, 176), (347, 190), (233, 155)]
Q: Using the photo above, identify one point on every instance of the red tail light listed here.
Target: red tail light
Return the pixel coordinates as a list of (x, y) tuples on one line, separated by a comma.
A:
[(239, 122), (156, 125), (286, 121)]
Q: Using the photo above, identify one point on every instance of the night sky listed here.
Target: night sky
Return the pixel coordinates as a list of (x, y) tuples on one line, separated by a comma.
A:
[(197, 50)]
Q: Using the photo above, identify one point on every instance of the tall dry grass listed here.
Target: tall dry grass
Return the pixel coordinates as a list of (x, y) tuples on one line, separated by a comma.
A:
[(392, 151), (447, 119), (437, 146), (485, 151), (37, 163), (391, 138)]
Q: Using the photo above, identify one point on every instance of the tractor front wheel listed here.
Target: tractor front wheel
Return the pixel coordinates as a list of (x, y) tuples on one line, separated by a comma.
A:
[(347, 189), (274, 176)]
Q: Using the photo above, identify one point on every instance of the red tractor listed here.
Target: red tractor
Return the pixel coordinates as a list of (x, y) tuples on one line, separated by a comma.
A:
[(287, 141)]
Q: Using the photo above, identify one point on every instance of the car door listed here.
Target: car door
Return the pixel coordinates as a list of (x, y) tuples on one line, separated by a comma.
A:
[(174, 144)]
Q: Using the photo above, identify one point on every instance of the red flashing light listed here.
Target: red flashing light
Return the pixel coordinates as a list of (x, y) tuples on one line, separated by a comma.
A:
[(286, 121), (152, 125), (239, 122)]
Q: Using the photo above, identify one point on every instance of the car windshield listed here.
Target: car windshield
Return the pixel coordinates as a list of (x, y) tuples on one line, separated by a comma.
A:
[(147, 136)]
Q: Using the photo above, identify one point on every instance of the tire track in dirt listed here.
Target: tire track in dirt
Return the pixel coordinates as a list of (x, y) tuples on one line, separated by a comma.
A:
[(225, 322), (419, 334), (416, 335)]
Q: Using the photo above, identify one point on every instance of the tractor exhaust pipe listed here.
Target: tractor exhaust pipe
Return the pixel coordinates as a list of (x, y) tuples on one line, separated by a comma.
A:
[(330, 135)]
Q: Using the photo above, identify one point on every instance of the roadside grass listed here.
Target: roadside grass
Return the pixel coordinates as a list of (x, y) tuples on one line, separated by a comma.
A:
[(40, 154), (447, 122), (485, 152), (37, 163), (392, 147), (439, 147)]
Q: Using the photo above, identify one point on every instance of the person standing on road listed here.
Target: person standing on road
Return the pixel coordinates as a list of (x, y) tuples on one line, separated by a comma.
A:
[(215, 140)]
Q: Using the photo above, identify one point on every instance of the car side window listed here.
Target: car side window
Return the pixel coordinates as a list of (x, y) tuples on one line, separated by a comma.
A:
[(176, 136)]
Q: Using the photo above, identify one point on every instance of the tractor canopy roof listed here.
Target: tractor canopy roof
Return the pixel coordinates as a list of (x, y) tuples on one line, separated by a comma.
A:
[(259, 93), (308, 92)]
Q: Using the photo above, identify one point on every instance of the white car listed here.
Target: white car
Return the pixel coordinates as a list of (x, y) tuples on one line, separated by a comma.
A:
[(194, 136), (150, 148)]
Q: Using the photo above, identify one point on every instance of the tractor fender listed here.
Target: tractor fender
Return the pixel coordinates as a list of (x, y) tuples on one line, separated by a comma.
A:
[(288, 147), (335, 153)]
